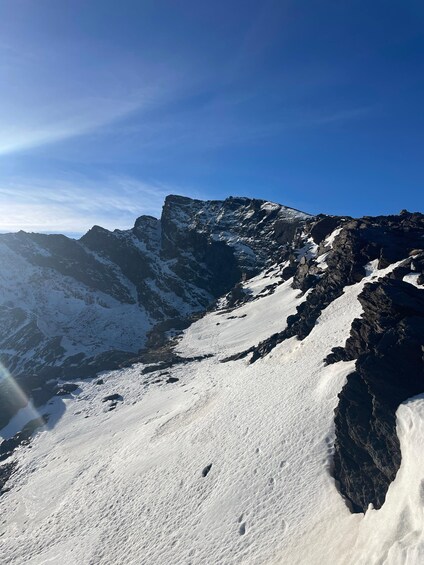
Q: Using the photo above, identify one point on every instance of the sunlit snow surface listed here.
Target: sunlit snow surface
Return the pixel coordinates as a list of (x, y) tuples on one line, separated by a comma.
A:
[(126, 486)]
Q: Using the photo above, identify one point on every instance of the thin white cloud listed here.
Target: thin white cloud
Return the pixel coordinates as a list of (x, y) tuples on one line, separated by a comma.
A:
[(47, 97), (17, 137), (78, 204)]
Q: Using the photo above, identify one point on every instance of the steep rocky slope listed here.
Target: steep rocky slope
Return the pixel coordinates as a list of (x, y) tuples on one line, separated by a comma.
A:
[(69, 308), (387, 341)]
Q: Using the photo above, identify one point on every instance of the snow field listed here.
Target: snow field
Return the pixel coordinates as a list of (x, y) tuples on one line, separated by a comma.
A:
[(126, 486)]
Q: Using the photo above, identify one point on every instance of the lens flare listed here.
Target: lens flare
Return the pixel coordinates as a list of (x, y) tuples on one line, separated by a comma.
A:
[(16, 409)]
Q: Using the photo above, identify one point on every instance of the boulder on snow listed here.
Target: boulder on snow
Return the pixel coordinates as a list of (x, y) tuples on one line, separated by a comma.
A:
[(66, 388), (113, 398), (206, 470), (171, 380)]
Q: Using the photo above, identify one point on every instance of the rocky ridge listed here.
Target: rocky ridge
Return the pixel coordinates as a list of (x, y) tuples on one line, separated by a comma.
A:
[(387, 341), (70, 308), (388, 344)]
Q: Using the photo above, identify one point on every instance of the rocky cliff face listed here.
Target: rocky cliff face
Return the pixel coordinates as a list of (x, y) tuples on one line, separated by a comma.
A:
[(71, 307), (387, 341)]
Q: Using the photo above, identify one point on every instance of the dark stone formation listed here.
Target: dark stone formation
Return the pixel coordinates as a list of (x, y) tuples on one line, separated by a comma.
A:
[(113, 397), (171, 360), (236, 296), (66, 388), (324, 227), (6, 472), (307, 274), (206, 470), (8, 446), (159, 367), (387, 239), (99, 382), (171, 380), (388, 343), (112, 400)]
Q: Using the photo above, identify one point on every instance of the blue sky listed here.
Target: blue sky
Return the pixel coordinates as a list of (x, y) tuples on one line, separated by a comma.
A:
[(107, 106)]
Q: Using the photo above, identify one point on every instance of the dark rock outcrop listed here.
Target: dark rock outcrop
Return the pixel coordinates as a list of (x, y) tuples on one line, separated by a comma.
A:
[(323, 227), (8, 446), (113, 397), (6, 472), (385, 239), (388, 343), (66, 388), (171, 380)]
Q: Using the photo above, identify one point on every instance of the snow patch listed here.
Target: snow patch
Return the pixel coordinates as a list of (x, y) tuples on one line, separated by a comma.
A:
[(412, 278), (329, 241)]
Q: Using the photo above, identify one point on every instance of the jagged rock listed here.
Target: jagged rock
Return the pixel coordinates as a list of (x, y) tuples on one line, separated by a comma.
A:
[(290, 270), (307, 275), (388, 345), (384, 238), (323, 227), (170, 360), (6, 472), (236, 296)]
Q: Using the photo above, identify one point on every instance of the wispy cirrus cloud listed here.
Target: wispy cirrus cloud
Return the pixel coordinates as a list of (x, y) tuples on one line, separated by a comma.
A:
[(48, 97), (75, 205), (74, 120)]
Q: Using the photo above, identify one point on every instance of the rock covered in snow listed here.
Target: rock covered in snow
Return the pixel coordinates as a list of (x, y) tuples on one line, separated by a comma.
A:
[(353, 245), (75, 307)]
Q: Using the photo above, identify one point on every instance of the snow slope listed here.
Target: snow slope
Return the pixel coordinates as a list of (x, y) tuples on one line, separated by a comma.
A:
[(127, 486)]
